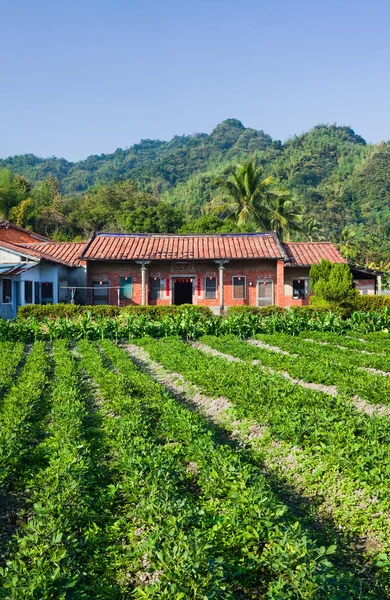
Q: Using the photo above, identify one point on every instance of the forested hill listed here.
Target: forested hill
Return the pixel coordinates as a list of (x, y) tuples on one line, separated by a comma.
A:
[(154, 164), (341, 183)]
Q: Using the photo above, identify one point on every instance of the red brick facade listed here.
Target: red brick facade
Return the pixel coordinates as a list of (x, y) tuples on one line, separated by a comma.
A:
[(252, 272)]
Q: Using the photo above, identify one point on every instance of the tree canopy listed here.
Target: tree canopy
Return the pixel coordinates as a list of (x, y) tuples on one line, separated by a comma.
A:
[(335, 179)]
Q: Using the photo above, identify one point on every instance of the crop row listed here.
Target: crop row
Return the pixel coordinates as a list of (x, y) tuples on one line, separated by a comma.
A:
[(200, 520), (11, 355), (134, 496), (22, 410), (328, 352), (345, 453), (314, 364), (50, 556), (376, 343)]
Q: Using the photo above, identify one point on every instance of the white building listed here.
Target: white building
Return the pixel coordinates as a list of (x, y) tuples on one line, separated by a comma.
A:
[(39, 272)]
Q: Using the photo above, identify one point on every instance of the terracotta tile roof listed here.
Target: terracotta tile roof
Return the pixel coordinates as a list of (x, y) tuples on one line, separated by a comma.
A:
[(21, 249), (106, 246), (65, 252), (303, 254)]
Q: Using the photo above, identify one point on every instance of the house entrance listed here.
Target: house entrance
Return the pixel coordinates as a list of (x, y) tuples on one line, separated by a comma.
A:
[(182, 291), (265, 293)]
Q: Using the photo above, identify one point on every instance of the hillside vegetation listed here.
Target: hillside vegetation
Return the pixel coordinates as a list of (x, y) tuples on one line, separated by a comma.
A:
[(341, 185)]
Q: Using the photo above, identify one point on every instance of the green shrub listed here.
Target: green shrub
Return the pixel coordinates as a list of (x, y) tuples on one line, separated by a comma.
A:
[(163, 310), (72, 311), (255, 310), (320, 305), (369, 303), (333, 284), (317, 303), (54, 311)]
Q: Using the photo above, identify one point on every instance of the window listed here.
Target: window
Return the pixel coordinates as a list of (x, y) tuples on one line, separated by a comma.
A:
[(28, 292), (300, 288), (239, 287), (47, 292), (126, 284), (211, 287), (100, 292), (7, 291), (37, 292), (265, 293), (154, 288)]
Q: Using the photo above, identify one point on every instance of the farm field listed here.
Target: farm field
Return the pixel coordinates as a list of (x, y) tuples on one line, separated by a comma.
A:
[(217, 469)]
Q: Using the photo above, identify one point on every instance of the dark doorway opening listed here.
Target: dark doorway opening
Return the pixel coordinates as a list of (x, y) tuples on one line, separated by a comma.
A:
[(183, 291)]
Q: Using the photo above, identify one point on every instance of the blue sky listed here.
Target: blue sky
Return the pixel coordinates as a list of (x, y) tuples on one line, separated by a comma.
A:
[(88, 76)]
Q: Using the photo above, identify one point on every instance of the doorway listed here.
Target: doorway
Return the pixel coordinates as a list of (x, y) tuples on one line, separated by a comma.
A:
[(265, 293), (182, 291)]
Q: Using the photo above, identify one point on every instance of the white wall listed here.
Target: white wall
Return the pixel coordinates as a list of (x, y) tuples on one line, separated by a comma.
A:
[(9, 257)]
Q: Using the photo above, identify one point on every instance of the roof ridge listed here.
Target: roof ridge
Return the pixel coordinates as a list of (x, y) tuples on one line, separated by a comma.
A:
[(182, 235), (50, 242), (311, 243)]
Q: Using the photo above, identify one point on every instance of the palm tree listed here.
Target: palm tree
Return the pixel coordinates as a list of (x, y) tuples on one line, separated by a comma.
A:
[(348, 236), (283, 215), (244, 195), (312, 229)]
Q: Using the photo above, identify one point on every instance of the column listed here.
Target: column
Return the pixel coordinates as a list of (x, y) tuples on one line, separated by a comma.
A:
[(279, 296), (221, 266), (144, 269), (379, 285)]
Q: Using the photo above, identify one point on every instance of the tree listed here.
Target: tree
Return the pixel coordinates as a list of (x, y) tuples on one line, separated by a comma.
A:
[(333, 284), (12, 191), (312, 229), (320, 272), (283, 213), (349, 240), (21, 214), (244, 195), (209, 224)]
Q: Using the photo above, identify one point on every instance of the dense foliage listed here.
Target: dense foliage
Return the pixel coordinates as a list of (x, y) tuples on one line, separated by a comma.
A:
[(53, 311), (341, 183), (189, 324), (332, 285)]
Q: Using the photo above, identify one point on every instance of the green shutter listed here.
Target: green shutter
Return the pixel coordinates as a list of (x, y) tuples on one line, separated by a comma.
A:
[(126, 284)]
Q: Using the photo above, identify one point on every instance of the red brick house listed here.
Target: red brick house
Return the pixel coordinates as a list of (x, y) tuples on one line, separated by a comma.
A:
[(212, 270)]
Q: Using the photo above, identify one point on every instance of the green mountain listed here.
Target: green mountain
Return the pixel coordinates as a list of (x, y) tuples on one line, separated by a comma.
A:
[(154, 164), (341, 183)]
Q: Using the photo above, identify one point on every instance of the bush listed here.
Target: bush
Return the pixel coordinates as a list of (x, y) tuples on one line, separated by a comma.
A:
[(70, 311), (255, 310), (317, 303), (320, 305), (333, 284), (164, 310), (370, 303)]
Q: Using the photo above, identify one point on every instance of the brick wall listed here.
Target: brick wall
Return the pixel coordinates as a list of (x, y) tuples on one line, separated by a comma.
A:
[(252, 270), (365, 286)]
